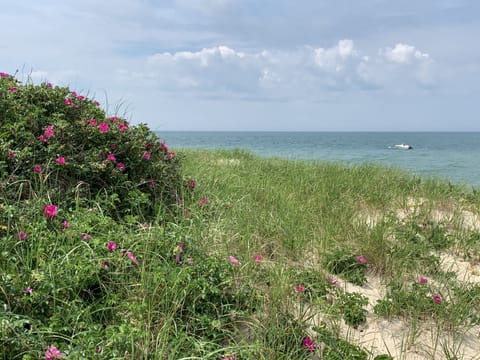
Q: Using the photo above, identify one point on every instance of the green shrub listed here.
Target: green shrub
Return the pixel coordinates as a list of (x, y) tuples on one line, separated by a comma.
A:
[(62, 145)]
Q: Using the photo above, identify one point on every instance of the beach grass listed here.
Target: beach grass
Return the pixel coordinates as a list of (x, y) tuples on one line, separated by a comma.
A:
[(272, 259)]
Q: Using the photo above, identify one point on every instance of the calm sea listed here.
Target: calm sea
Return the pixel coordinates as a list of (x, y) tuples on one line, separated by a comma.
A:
[(452, 156)]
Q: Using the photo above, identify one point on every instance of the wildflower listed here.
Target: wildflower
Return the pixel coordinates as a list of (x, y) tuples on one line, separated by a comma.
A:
[(4, 75), (203, 201), (146, 156), (22, 235), (111, 157), (80, 97), (132, 257), (28, 291), (170, 155), (49, 85), (164, 147), (309, 343), (50, 211), (422, 280), (258, 258), (60, 160), (361, 259), (97, 103), (74, 93), (66, 224), (123, 127), (11, 155), (111, 245), (232, 357), (86, 237), (42, 138), (299, 288), (192, 184), (148, 146), (48, 133), (53, 353), (103, 127), (121, 166), (92, 122), (105, 264), (113, 118), (437, 299), (234, 261), (333, 281), (13, 89), (68, 102)]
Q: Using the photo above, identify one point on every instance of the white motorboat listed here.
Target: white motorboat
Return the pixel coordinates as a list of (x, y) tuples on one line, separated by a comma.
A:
[(402, 146)]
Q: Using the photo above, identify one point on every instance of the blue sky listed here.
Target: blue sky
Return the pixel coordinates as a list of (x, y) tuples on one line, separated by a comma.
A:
[(304, 65)]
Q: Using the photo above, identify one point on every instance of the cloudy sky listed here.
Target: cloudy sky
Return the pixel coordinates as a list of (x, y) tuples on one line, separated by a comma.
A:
[(302, 65)]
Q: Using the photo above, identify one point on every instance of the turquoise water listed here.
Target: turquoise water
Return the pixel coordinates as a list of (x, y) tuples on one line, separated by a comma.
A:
[(452, 156)]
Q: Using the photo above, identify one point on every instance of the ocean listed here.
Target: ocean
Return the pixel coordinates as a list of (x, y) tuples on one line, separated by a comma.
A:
[(454, 156)]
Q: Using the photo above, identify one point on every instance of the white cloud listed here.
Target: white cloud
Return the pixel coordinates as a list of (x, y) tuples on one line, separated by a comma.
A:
[(404, 54)]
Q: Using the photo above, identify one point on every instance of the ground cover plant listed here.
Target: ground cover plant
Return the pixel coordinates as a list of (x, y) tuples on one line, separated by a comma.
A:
[(114, 246)]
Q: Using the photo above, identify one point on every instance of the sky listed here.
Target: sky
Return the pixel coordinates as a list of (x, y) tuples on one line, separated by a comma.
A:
[(257, 65)]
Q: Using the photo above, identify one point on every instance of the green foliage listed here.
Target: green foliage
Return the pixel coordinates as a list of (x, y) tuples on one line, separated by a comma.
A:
[(80, 154), (339, 349), (341, 261), (352, 305)]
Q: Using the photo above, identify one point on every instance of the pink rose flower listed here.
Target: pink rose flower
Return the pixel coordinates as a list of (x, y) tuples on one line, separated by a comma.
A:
[(60, 160), (28, 291), (103, 127), (121, 166), (68, 102), (37, 169), (111, 157), (111, 245), (299, 288), (48, 133), (22, 235), (146, 156), (333, 281), (361, 259), (13, 89), (11, 155), (50, 211), (234, 261), (171, 155), (53, 353), (309, 343), (203, 201), (422, 280), (437, 299), (93, 122), (132, 257), (123, 127), (258, 258)]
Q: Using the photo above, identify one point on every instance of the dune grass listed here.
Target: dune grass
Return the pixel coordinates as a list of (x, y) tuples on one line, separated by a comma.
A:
[(270, 261)]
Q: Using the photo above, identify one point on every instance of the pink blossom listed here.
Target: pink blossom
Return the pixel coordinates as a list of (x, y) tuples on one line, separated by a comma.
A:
[(22, 235), (121, 166), (53, 353), (103, 127), (333, 281), (48, 133), (93, 122), (111, 245), (4, 75), (60, 160), (28, 291), (11, 155), (80, 97), (232, 357), (13, 89), (422, 280), (203, 201), (192, 184), (111, 157), (37, 169), (123, 127), (148, 146), (42, 138), (146, 156), (113, 118), (164, 147), (258, 258), (132, 257), (86, 236), (97, 103), (50, 211), (437, 298), (299, 288), (361, 259), (74, 93), (66, 224), (309, 343), (49, 85), (234, 261), (105, 264), (170, 155), (68, 102)]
